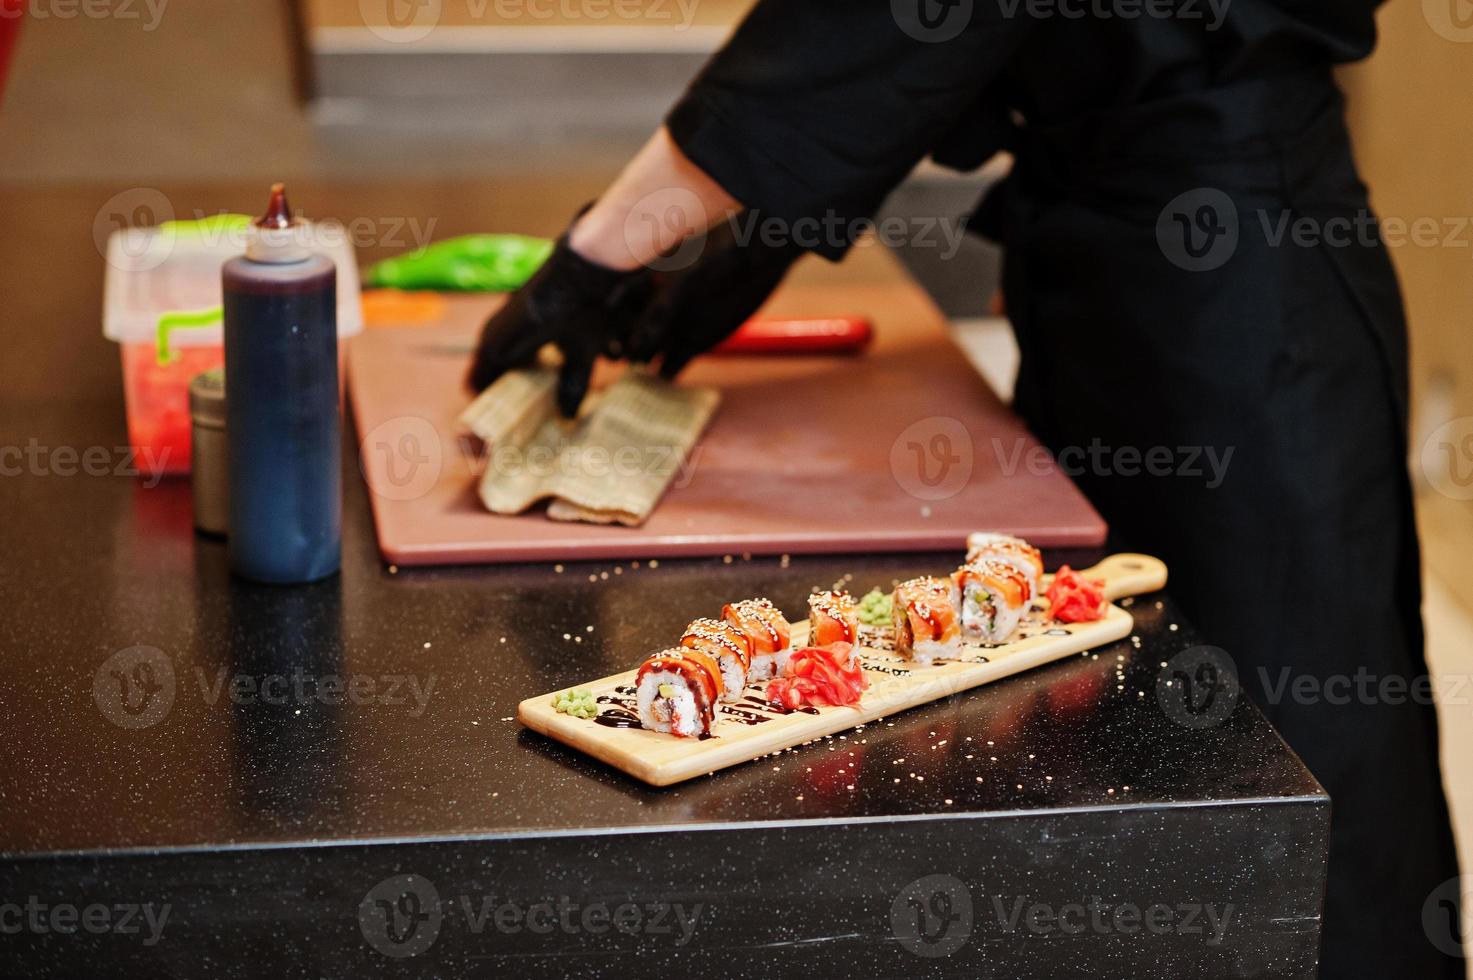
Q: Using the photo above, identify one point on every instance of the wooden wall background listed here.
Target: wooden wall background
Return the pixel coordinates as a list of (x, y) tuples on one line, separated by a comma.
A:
[(1411, 112)]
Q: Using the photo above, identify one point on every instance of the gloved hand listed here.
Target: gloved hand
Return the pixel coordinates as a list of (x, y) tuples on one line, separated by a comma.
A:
[(584, 308), (696, 308)]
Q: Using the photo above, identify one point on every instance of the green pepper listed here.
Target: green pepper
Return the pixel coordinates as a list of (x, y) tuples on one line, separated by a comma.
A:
[(473, 263)]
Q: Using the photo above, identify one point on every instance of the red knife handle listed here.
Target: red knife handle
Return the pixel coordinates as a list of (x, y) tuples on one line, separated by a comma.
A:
[(818, 335)]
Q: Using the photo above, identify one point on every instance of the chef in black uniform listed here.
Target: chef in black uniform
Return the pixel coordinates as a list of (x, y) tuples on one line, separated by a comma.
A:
[(1157, 298)]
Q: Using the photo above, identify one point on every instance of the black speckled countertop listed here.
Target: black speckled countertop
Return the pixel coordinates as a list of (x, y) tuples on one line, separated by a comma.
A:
[(379, 705), (376, 709)]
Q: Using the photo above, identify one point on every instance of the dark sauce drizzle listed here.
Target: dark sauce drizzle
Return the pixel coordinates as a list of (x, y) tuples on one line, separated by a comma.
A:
[(778, 709), (622, 714)]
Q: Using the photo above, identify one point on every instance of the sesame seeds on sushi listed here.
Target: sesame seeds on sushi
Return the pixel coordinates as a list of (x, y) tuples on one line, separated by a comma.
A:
[(1028, 560), (833, 618), (993, 596), (726, 645), (676, 692), (927, 626), (768, 632)]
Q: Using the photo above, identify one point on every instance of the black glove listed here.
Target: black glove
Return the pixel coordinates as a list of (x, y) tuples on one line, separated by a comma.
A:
[(584, 308), (696, 308)]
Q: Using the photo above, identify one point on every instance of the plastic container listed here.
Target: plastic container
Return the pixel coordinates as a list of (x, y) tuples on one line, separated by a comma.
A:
[(161, 303)]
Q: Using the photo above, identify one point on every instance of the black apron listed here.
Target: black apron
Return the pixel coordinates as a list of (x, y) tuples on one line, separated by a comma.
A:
[(1161, 305), (1142, 325)]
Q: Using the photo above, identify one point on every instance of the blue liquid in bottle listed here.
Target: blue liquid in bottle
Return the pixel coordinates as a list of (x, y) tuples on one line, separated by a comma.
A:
[(283, 421)]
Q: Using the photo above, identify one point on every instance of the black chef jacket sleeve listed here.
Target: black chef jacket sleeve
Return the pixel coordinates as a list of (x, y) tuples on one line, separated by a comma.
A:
[(815, 109)]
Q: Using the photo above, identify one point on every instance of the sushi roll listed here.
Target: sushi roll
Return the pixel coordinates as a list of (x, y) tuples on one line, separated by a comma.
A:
[(676, 692), (926, 621), (994, 595), (833, 619), (766, 630), (1004, 547), (726, 645)]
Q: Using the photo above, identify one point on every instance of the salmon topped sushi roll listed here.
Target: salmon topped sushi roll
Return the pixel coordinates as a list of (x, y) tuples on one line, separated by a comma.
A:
[(994, 595), (726, 645), (833, 619), (1006, 548), (926, 621), (676, 692), (767, 630)]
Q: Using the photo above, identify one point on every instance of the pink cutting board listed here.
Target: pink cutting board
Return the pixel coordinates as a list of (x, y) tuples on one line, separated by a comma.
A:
[(901, 448)]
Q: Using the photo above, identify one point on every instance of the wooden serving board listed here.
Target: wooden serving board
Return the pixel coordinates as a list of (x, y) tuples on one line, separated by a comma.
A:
[(745, 730)]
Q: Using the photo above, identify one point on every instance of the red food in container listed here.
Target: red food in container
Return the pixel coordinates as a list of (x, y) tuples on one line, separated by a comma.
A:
[(162, 304)]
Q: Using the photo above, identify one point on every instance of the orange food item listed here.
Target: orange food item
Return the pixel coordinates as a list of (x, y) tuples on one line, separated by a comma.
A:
[(832, 619), (716, 638), (397, 308), (761, 622), (929, 613)]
